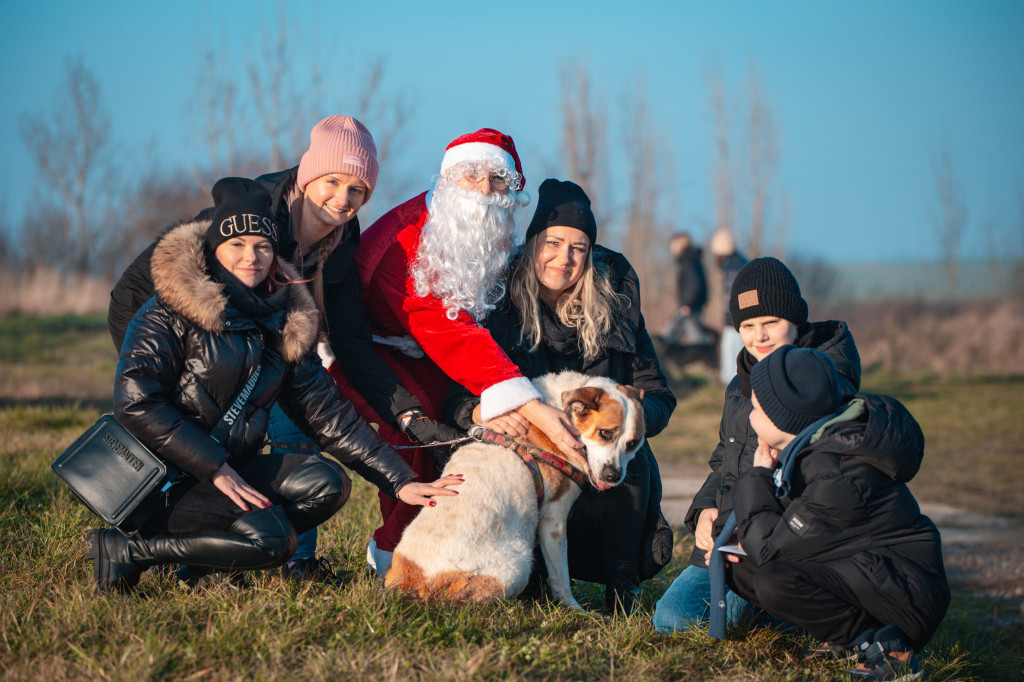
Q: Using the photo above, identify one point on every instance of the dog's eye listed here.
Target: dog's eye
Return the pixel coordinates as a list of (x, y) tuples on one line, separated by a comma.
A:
[(606, 434), (632, 445)]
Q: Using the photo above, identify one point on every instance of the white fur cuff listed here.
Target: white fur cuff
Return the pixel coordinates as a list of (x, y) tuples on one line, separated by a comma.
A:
[(506, 395)]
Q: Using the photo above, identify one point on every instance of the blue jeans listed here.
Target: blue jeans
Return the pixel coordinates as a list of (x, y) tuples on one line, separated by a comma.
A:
[(686, 603), (282, 430)]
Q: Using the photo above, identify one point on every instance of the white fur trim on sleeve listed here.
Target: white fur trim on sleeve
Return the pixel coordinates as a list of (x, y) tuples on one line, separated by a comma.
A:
[(326, 355), (506, 395)]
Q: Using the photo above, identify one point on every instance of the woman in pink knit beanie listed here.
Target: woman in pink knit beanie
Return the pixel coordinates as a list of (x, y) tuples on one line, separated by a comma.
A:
[(315, 206)]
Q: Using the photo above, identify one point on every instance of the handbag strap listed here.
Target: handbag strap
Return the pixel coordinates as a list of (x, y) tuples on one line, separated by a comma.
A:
[(223, 427)]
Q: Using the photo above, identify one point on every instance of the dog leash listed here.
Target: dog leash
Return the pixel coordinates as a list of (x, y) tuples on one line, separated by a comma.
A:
[(435, 444)]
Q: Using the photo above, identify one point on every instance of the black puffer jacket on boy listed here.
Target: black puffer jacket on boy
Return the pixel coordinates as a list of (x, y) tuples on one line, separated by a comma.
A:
[(190, 337), (734, 453), (848, 500)]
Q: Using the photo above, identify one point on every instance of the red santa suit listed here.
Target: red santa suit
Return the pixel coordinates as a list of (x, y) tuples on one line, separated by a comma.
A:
[(458, 349)]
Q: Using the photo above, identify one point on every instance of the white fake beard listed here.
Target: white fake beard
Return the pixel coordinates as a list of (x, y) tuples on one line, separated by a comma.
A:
[(464, 249)]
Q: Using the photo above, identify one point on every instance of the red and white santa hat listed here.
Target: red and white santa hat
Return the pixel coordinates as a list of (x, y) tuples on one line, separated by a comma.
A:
[(486, 145)]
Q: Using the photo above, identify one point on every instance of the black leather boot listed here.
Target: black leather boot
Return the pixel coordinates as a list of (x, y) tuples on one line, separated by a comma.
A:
[(622, 595), (317, 490), (258, 539), (113, 569)]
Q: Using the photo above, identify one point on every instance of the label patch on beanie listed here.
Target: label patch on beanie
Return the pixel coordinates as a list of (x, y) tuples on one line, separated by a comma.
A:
[(354, 160), (748, 299)]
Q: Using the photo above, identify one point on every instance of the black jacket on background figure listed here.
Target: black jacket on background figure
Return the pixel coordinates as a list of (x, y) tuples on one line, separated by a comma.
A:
[(734, 453), (691, 285), (607, 530), (347, 326), (850, 511)]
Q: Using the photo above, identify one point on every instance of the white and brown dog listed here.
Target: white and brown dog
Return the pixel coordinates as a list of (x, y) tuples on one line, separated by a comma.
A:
[(478, 546)]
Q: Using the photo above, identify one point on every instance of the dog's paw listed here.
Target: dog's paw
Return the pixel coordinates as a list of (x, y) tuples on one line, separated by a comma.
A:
[(570, 602)]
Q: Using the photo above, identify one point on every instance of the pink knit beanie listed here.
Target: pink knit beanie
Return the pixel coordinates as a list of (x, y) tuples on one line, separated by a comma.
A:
[(339, 144)]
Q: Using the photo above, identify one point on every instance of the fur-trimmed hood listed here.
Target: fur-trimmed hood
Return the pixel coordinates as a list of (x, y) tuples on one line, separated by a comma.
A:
[(181, 280)]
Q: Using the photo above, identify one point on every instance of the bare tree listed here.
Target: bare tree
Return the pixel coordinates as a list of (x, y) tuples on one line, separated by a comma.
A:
[(762, 162), (72, 151), (950, 218), (160, 199), (270, 77), (725, 199), (8, 254), (1017, 276), (646, 234), (584, 142), (388, 118), (747, 199), (215, 108)]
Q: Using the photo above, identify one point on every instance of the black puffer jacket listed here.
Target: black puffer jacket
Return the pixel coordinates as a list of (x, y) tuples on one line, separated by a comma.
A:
[(347, 326), (848, 499), (188, 352), (734, 453)]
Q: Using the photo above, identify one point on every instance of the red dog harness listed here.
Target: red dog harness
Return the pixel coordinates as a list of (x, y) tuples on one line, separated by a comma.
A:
[(530, 455)]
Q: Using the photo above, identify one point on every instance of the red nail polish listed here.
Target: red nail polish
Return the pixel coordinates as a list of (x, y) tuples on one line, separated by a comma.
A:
[(433, 503)]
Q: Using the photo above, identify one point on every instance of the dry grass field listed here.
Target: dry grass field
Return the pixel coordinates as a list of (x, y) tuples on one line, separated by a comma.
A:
[(55, 379)]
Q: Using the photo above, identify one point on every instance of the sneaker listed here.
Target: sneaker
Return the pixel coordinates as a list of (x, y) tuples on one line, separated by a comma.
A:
[(877, 662), (313, 569)]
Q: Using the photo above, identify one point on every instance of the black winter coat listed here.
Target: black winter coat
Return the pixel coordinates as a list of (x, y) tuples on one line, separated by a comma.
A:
[(691, 285), (629, 515), (734, 453), (629, 356), (347, 327), (848, 499), (188, 352)]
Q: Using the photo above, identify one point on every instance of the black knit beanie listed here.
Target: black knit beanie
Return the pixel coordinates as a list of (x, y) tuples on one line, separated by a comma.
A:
[(795, 387), (560, 202), (766, 287), (241, 207)]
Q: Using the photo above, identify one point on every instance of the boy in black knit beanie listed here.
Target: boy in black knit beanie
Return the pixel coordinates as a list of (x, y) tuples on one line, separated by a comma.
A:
[(835, 542)]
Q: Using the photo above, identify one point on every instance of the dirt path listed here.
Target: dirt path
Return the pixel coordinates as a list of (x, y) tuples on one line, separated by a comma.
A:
[(984, 554)]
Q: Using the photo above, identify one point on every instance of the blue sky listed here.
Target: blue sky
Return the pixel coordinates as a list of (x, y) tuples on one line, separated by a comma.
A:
[(864, 95)]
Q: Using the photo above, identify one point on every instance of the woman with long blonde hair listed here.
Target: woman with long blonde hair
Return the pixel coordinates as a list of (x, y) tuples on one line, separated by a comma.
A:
[(572, 304)]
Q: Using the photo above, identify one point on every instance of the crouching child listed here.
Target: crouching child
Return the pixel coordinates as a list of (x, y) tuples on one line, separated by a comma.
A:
[(835, 542)]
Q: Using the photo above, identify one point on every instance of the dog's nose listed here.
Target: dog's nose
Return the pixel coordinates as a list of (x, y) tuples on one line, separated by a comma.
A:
[(611, 474)]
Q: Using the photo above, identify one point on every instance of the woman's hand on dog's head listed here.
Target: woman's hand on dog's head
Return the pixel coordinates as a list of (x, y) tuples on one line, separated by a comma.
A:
[(420, 493)]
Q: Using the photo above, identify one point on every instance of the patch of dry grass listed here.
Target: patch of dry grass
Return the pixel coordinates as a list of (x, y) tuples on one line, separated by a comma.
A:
[(46, 291)]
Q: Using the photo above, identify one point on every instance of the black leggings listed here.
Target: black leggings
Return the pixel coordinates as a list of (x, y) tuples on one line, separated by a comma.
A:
[(198, 505)]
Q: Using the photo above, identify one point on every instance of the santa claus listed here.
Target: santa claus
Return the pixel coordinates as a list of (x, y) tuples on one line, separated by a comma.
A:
[(431, 270)]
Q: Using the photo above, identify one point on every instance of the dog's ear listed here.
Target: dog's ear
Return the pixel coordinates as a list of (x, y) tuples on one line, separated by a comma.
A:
[(579, 401), (631, 392)]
